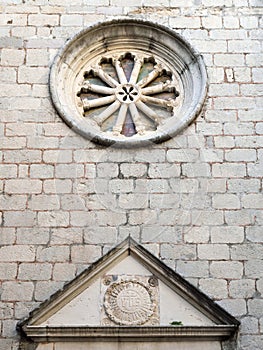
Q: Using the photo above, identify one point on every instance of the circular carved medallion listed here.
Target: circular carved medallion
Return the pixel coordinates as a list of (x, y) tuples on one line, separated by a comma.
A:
[(128, 303), (128, 82)]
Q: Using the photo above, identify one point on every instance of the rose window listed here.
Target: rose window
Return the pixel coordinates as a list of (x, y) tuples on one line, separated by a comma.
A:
[(128, 82), (128, 95)]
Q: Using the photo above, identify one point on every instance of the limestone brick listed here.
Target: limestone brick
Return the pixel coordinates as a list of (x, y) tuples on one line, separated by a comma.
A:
[(241, 217), (229, 170), (180, 155), (253, 201), (8, 171), (71, 20), (151, 186), (243, 185), (241, 155), (178, 251), (66, 236), (252, 341), (31, 75), (255, 307), (226, 269), (21, 156), (236, 307), (144, 216), (193, 268), (242, 74), (107, 170), (37, 57), (259, 285), (133, 201), (40, 171), (164, 170), (175, 217), (121, 186), (19, 291), (135, 170), (93, 235), (244, 288), (43, 20), (57, 186), (54, 156), (80, 218), (12, 143), (154, 156), (69, 170), (8, 271), (246, 251), (224, 141), (226, 201), (253, 268), (257, 75), (227, 234), (9, 328), (7, 236), (12, 57), (212, 22), (249, 325), (19, 218), (196, 235), (34, 272), (193, 170), (164, 200), (207, 217), (32, 235), (249, 22), (213, 251), (16, 19), (215, 288), (53, 218), (181, 185), (85, 254), (185, 22), (161, 234), (44, 289), (13, 202), (53, 254), (71, 202), (63, 272), (42, 142), (254, 234)]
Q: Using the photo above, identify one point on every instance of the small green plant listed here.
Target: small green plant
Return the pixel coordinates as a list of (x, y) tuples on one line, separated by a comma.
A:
[(176, 323)]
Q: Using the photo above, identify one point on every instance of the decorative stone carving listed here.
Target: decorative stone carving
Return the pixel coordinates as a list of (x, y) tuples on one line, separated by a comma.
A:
[(128, 82), (120, 94), (131, 301)]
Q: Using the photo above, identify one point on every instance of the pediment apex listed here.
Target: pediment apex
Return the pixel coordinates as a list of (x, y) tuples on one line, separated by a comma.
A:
[(144, 282)]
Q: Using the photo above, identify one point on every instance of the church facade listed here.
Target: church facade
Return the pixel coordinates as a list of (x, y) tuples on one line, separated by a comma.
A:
[(131, 150)]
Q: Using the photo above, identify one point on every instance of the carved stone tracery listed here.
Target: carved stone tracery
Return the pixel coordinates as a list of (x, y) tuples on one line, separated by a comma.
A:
[(126, 89)]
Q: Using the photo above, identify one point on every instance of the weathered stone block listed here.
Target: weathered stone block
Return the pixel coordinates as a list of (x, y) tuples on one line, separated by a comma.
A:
[(19, 291)]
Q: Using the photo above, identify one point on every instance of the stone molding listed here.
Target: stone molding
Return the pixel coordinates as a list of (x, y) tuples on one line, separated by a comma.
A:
[(134, 333)]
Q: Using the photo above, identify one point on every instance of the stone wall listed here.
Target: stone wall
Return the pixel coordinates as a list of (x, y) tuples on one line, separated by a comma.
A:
[(194, 201)]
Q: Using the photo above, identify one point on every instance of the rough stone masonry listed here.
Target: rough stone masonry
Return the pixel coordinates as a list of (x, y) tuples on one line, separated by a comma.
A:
[(194, 201)]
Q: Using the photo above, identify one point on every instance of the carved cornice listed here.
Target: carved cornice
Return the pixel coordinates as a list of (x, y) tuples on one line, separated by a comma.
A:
[(142, 334)]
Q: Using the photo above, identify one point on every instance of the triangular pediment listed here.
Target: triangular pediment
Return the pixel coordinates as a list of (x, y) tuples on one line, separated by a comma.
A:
[(126, 293)]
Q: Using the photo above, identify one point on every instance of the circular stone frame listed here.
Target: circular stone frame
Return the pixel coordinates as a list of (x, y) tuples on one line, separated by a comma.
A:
[(117, 37), (129, 302)]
